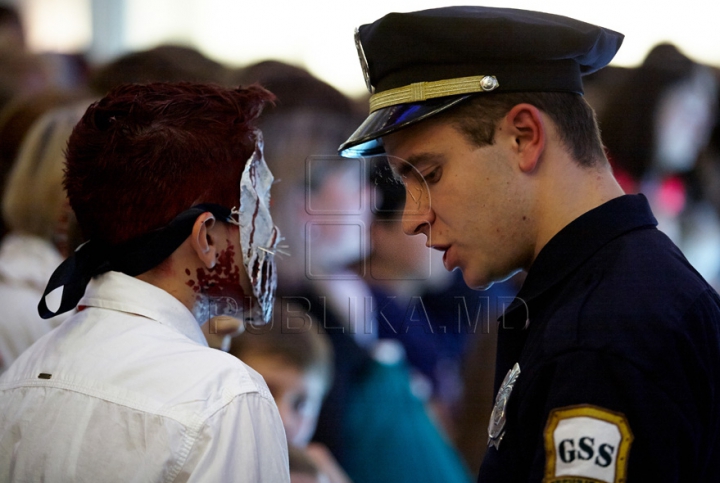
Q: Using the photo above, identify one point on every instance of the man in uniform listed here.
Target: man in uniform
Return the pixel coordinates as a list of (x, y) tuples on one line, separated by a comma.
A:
[(171, 191), (608, 364)]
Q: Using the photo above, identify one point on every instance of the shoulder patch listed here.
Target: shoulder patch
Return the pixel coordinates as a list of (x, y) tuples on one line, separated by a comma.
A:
[(586, 444)]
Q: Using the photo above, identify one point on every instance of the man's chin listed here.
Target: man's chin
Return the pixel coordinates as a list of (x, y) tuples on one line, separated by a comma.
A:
[(480, 286), (484, 282), (475, 282)]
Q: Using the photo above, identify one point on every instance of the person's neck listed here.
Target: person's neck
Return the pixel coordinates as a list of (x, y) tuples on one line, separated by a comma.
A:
[(569, 191), (169, 276)]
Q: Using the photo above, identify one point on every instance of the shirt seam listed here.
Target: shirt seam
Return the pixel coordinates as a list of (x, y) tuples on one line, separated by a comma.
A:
[(196, 430), (194, 420)]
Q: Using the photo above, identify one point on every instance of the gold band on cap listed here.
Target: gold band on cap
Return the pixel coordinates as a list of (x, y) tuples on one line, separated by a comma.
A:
[(421, 91)]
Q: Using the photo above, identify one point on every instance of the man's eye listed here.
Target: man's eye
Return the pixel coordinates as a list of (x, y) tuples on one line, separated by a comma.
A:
[(433, 176)]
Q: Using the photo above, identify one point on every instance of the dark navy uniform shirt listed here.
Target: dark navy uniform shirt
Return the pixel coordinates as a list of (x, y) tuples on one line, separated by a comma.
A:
[(618, 342)]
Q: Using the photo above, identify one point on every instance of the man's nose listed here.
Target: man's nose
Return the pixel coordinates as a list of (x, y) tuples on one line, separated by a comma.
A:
[(417, 216)]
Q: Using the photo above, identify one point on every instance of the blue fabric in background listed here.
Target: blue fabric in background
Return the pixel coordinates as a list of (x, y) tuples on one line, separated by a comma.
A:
[(382, 447)]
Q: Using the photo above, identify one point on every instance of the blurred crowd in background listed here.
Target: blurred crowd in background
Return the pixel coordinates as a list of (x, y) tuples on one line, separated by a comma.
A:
[(380, 361)]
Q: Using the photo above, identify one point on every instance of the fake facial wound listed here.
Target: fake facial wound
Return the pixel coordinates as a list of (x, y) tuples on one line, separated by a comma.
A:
[(223, 290)]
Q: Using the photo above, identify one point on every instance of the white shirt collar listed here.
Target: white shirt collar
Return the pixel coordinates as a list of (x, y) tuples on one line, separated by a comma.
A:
[(117, 291)]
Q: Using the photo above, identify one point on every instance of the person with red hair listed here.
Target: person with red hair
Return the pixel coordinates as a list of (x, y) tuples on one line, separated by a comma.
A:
[(171, 192)]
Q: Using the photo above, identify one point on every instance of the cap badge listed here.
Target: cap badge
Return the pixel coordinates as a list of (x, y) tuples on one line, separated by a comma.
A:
[(489, 83), (363, 61), (496, 428)]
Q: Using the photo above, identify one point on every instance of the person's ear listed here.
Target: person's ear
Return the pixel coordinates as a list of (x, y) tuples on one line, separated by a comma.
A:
[(202, 239), (528, 132)]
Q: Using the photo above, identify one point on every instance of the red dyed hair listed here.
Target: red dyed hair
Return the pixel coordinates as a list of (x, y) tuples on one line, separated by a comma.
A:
[(145, 153)]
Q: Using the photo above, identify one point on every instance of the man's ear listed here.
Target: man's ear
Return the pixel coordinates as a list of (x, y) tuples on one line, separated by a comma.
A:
[(203, 241), (527, 128)]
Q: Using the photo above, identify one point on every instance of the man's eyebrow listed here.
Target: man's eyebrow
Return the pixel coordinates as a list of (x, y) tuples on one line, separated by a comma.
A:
[(404, 167)]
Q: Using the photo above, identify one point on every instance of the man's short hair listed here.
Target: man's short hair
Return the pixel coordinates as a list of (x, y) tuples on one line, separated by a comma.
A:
[(145, 153), (577, 127)]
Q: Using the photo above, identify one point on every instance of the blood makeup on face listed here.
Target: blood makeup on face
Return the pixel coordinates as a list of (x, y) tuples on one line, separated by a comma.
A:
[(221, 285)]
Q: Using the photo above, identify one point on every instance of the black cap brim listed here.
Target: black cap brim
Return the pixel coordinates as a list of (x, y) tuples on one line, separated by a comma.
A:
[(365, 141)]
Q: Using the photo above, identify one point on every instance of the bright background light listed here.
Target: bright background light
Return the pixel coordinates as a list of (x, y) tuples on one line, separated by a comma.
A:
[(57, 25), (318, 34)]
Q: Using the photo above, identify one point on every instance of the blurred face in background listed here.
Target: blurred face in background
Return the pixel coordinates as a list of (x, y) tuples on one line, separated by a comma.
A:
[(298, 394), (338, 218)]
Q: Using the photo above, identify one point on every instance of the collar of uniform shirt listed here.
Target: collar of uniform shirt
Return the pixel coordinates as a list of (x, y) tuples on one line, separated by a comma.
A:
[(579, 240)]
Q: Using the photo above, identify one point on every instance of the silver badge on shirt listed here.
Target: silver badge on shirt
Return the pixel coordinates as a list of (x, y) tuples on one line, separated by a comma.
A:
[(496, 427)]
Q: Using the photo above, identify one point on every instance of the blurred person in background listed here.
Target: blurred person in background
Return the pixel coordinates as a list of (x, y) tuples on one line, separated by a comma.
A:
[(12, 34), (18, 116), (706, 176), (669, 104), (704, 182), (171, 191), (296, 361), (603, 85), (42, 230), (164, 63), (378, 430), (23, 74), (303, 469)]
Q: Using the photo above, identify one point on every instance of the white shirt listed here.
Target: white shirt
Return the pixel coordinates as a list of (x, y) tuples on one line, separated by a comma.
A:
[(26, 263), (135, 395)]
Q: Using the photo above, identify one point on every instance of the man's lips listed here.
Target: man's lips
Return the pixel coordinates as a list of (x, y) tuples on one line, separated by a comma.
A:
[(446, 258)]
